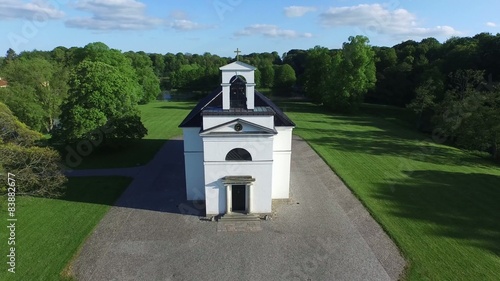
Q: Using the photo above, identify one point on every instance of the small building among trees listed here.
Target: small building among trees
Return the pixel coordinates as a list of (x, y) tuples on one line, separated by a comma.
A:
[(3, 83)]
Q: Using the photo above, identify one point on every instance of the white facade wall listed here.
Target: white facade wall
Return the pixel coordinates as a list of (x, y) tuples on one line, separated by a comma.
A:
[(260, 191), (206, 166), (216, 167), (216, 148)]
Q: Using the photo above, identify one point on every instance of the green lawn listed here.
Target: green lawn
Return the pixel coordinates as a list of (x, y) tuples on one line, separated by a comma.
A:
[(161, 119), (49, 232), (440, 205)]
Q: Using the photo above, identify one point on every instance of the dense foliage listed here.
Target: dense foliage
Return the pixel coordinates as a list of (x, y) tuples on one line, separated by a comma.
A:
[(37, 168), (100, 105), (36, 89), (340, 79)]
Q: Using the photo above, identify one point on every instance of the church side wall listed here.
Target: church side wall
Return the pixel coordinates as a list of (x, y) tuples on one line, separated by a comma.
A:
[(281, 175), (283, 140), (282, 153), (192, 139), (195, 185), (193, 164)]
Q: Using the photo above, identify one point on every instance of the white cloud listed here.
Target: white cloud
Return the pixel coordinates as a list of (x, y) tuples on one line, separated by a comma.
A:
[(187, 25), (178, 15), (376, 18), (491, 24), (32, 10), (269, 30), (114, 15), (179, 20), (298, 11)]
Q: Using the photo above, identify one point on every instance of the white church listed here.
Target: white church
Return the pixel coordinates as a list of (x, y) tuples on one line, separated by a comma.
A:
[(237, 147)]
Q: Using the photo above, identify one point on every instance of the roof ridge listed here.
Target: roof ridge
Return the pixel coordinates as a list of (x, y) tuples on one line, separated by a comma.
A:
[(195, 119)]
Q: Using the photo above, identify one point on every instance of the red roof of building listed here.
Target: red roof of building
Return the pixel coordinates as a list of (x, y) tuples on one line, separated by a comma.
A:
[(3, 83)]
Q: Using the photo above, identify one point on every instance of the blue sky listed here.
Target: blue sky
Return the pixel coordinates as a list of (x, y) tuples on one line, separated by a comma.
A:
[(221, 26)]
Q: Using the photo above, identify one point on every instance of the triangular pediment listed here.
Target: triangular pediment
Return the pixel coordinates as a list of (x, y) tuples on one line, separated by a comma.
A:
[(238, 65), (238, 127)]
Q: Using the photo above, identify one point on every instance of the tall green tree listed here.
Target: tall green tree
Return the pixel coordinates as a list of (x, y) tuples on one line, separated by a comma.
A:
[(145, 76), (298, 60), (267, 76), (99, 97), (284, 78), (10, 55), (354, 76), (319, 73), (158, 64), (100, 52)]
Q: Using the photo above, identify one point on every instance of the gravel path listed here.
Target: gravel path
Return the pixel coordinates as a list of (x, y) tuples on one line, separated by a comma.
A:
[(153, 233)]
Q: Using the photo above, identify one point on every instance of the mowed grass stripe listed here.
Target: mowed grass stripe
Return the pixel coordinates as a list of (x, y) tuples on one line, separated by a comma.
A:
[(440, 204)]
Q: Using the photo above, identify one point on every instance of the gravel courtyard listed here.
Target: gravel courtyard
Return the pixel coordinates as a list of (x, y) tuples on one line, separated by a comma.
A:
[(153, 233)]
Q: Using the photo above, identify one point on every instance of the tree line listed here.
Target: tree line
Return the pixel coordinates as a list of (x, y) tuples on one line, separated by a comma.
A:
[(452, 87), (72, 93)]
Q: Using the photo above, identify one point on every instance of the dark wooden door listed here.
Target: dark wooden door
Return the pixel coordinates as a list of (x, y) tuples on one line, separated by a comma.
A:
[(238, 199)]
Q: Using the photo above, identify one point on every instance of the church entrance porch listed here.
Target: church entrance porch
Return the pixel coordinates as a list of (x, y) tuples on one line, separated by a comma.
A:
[(238, 194)]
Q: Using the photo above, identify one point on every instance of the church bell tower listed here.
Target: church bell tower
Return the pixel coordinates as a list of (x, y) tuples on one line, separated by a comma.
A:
[(238, 86)]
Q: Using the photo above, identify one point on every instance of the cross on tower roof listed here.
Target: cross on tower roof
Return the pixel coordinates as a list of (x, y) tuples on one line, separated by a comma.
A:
[(237, 54)]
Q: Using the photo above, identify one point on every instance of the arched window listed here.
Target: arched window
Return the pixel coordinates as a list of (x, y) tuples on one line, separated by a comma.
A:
[(238, 154), (238, 92)]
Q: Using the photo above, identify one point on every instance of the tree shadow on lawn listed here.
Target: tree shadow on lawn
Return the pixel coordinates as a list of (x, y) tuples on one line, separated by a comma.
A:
[(160, 186), (84, 155), (178, 105), (372, 138), (302, 107), (93, 190), (455, 205), (375, 135)]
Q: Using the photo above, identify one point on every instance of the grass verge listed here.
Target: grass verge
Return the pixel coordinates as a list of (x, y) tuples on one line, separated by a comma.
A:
[(439, 204), (49, 232)]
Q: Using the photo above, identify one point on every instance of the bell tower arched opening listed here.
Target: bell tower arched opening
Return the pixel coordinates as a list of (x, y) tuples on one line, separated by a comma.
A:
[(238, 92)]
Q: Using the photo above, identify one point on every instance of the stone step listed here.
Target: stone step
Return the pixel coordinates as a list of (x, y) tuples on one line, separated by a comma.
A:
[(239, 217)]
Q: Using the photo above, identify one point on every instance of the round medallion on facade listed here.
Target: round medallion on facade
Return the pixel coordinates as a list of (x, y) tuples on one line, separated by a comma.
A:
[(238, 127)]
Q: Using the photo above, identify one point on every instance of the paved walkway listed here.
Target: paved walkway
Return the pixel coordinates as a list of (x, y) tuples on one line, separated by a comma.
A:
[(153, 233)]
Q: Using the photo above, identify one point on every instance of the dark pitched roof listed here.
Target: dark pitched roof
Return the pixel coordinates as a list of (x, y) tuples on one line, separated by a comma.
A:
[(280, 118), (214, 101), (194, 118)]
